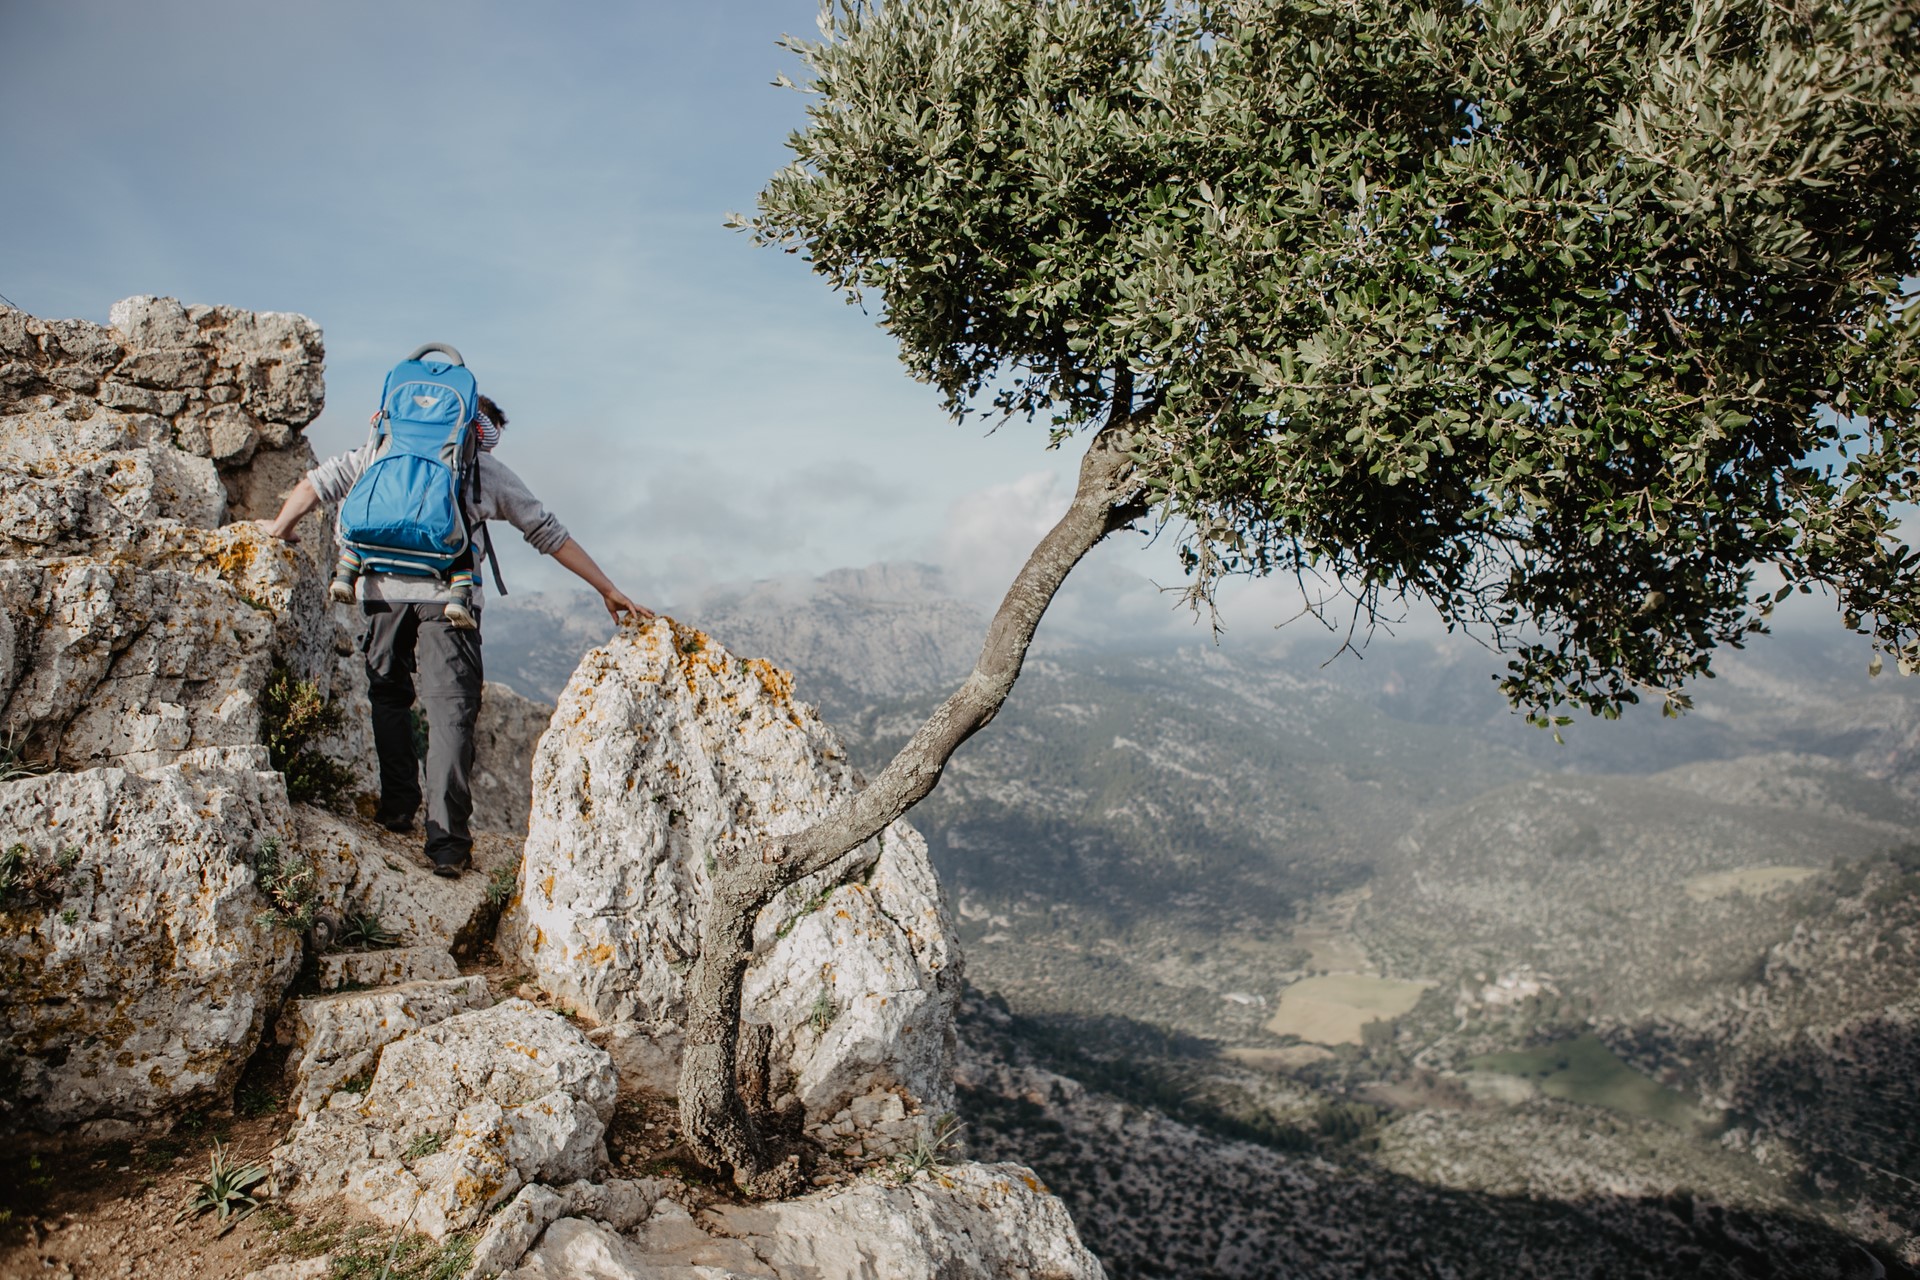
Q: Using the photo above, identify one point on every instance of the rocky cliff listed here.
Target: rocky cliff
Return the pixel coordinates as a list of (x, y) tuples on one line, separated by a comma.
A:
[(142, 621)]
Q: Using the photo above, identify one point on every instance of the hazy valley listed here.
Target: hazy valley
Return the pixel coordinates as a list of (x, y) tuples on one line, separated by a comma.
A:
[(1299, 970)]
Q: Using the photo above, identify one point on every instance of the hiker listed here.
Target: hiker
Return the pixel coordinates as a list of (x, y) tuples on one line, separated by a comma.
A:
[(457, 595), (409, 631)]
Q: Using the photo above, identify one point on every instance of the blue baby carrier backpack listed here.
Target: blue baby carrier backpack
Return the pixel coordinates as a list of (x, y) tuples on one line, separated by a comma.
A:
[(407, 513)]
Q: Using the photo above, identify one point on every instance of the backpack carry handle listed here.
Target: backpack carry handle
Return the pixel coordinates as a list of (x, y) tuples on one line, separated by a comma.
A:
[(437, 346)]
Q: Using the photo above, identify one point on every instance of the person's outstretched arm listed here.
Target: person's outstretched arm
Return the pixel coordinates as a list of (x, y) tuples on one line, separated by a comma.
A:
[(575, 557), (301, 499), (328, 482)]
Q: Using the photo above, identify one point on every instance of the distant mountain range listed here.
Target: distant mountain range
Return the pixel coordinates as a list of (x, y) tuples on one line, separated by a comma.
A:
[(861, 637)]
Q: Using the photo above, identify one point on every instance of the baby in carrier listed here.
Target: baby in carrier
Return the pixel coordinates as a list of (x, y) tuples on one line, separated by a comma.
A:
[(457, 595)]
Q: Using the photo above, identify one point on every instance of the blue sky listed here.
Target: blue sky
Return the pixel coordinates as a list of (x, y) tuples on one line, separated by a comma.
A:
[(542, 186)]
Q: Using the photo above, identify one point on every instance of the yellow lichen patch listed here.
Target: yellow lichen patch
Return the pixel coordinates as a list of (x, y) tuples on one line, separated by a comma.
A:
[(235, 558), (1034, 1184), (601, 954), (546, 885), (777, 684), (471, 1191), (527, 1049)]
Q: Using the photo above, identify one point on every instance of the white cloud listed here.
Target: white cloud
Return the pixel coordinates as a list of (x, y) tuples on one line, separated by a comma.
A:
[(990, 533)]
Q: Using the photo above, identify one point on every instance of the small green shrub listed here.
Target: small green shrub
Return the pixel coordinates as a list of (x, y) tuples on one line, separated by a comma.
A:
[(14, 762), (824, 1011), (425, 1145), (289, 883), (295, 717), (226, 1187), (363, 1254), (500, 886), (930, 1147), (365, 931)]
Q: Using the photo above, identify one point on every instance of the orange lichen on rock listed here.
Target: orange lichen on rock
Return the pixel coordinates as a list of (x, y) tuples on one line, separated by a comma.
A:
[(235, 557), (778, 684)]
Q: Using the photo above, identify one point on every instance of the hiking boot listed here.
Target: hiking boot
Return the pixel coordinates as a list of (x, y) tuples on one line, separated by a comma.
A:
[(459, 610), (399, 823), (340, 591), (452, 870)]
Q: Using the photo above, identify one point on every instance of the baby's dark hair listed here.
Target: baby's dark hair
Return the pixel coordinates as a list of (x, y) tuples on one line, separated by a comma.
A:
[(495, 414)]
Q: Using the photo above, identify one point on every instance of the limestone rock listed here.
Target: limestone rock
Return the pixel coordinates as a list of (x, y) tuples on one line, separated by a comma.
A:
[(857, 982), (139, 613), (671, 1246), (391, 967), (874, 1127), (512, 1231), (141, 907), (335, 1038), (509, 729), (646, 1055), (621, 1203), (459, 1116), (618, 1204), (365, 868), (962, 1221), (300, 1269), (667, 751)]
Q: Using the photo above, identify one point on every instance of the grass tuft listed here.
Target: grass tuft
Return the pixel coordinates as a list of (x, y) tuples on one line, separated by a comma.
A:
[(226, 1188)]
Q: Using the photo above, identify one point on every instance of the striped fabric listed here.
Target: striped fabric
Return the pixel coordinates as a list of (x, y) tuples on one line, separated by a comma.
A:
[(489, 434)]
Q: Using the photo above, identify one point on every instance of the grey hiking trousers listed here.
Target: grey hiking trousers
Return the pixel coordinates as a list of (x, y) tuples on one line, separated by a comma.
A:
[(405, 644)]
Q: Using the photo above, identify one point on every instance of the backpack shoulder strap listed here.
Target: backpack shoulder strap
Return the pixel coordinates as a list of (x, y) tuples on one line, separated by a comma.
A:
[(480, 530), (492, 560)]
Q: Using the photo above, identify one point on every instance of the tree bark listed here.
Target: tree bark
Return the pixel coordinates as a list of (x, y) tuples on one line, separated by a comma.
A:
[(716, 1122)]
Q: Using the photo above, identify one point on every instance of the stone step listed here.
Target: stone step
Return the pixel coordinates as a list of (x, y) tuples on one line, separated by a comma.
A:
[(336, 1038), (365, 869), (342, 969)]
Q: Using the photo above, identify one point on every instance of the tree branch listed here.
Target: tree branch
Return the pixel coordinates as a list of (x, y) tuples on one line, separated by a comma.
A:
[(716, 1122)]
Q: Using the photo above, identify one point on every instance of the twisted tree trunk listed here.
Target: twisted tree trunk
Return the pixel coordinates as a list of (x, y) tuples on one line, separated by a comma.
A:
[(716, 1122)]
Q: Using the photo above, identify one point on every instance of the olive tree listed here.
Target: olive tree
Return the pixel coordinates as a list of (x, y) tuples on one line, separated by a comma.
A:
[(1564, 317)]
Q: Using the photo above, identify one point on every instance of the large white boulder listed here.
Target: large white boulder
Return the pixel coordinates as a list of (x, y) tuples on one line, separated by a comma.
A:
[(142, 614), (955, 1223), (138, 971), (140, 611), (509, 729), (666, 753), (332, 1039), (459, 1116)]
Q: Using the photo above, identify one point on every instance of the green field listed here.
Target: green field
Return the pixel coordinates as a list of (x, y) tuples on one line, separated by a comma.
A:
[(1332, 1008), (1584, 1070)]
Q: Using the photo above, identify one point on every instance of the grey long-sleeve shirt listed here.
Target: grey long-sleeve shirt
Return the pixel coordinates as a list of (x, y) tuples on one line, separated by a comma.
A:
[(503, 496)]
